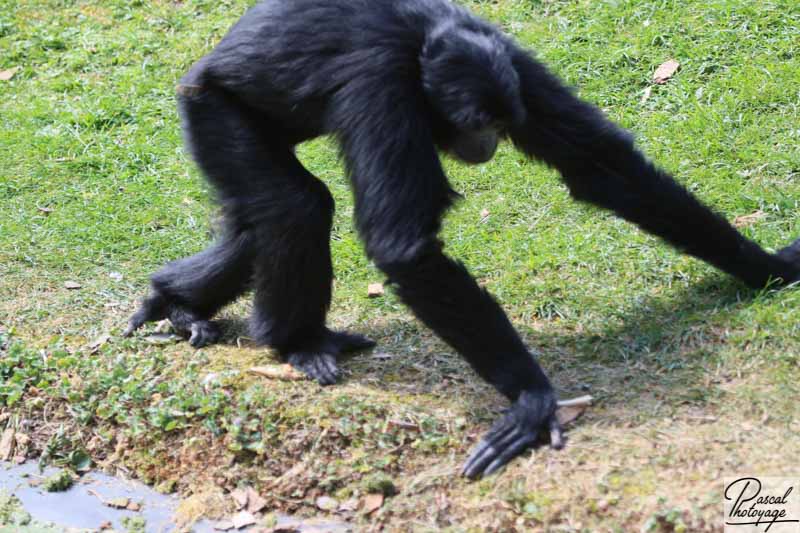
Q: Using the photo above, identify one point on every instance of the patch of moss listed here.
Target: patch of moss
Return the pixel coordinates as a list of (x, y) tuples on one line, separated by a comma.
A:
[(379, 484), (58, 482), (11, 511), (134, 524)]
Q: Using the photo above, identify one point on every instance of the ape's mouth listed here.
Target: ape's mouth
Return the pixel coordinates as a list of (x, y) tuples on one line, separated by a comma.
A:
[(475, 147)]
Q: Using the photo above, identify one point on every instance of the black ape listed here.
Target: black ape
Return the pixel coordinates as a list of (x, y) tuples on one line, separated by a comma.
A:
[(395, 81)]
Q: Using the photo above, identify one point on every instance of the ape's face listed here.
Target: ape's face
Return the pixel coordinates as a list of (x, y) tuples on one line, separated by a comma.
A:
[(474, 147)]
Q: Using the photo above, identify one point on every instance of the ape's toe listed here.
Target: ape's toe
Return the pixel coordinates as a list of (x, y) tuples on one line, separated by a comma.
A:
[(349, 342), (318, 366), (203, 333)]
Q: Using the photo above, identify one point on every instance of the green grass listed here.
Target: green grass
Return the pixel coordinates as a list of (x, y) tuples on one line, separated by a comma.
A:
[(95, 188)]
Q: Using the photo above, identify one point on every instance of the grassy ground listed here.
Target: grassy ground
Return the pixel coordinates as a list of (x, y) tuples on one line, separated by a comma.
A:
[(695, 377)]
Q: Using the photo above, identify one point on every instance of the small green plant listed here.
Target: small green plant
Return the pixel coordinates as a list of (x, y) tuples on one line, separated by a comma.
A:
[(59, 482)]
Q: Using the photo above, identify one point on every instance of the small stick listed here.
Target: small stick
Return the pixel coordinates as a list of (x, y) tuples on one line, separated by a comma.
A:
[(576, 402)]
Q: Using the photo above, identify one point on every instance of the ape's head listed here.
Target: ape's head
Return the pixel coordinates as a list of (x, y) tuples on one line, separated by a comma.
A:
[(470, 82)]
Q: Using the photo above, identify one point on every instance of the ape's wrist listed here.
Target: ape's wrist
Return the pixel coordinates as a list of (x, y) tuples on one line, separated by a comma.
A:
[(525, 378), (757, 268)]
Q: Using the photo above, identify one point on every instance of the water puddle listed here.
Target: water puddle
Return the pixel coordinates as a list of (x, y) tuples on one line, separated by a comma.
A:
[(82, 507)]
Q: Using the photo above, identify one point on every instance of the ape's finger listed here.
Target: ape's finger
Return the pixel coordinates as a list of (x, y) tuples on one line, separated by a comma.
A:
[(512, 450), (325, 376), (153, 308), (483, 446), (477, 463), (204, 333), (329, 363), (556, 434), (133, 324), (195, 339), (322, 369)]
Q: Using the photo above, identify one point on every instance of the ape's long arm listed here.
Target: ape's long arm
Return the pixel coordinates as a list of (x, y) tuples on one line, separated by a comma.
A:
[(600, 165), (401, 192)]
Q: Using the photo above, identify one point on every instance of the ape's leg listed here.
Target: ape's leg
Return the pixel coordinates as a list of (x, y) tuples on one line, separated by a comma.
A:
[(293, 275), (280, 219), (189, 291), (600, 165)]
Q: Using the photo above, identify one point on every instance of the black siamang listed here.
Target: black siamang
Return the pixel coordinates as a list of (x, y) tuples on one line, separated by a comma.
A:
[(394, 81)]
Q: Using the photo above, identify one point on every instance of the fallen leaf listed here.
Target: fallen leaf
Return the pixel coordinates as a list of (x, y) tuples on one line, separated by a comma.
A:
[(6, 75), (372, 502), (381, 356), (646, 94), (283, 372), (134, 506), (375, 290), (326, 503), (72, 285), (255, 502), (748, 220), (21, 445), (162, 338), (349, 505), (117, 503), (287, 478), (98, 342), (243, 519), (7, 444), (665, 71), (485, 215), (45, 210), (567, 415), (240, 497), (116, 276), (224, 525), (570, 410)]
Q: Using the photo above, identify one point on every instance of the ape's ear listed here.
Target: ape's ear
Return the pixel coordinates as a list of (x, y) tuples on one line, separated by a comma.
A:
[(469, 79)]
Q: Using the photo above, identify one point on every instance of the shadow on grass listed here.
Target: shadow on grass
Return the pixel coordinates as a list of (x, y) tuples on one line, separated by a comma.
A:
[(660, 352)]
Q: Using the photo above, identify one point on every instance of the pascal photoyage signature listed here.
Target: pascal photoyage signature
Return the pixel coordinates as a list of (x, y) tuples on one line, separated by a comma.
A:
[(750, 507)]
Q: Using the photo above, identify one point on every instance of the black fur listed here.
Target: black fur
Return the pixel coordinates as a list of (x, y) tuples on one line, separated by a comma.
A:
[(395, 82)]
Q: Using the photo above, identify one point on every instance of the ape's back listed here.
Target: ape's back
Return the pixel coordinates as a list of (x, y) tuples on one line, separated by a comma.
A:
[(290, 57)]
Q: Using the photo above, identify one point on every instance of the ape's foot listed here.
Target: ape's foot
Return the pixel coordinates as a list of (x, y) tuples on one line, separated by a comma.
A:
[(319, 366), (154, 307), (534, 412), (186, 323), (317, 359), (202, 333), (344, 342)]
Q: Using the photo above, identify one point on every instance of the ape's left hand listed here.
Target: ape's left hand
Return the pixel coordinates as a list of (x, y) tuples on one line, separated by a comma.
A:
[(791, 254), (518, 430)]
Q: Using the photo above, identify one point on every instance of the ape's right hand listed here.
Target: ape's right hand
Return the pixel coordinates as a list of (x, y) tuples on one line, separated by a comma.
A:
[(791, 254), (518, 429)]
